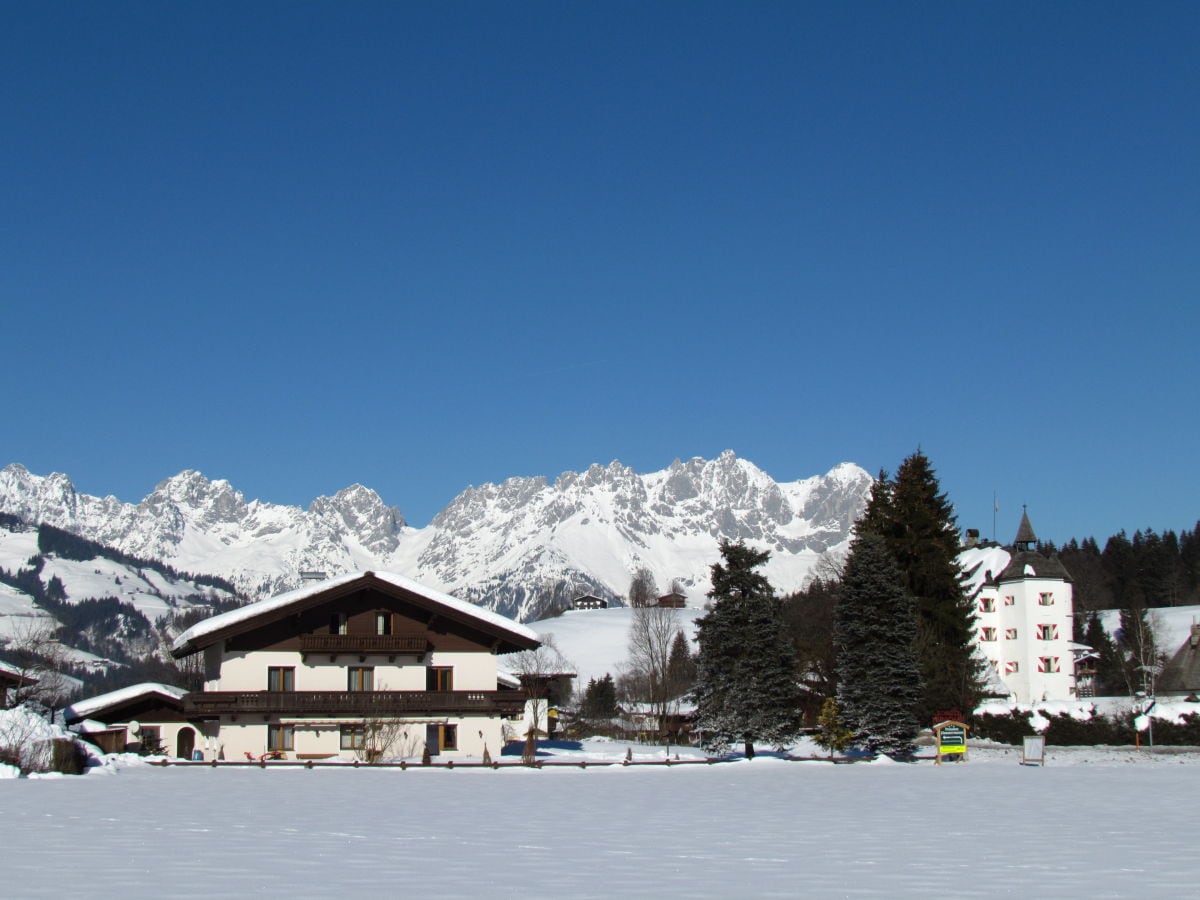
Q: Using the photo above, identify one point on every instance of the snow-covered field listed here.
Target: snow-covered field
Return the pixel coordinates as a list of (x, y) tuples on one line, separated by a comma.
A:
[(1093, 822)]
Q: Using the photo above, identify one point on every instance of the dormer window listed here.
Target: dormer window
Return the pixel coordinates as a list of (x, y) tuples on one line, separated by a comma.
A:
[(383, 623)]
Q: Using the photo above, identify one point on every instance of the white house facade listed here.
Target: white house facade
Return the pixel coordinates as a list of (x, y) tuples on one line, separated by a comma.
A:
[(363, 665), (1024, 617)]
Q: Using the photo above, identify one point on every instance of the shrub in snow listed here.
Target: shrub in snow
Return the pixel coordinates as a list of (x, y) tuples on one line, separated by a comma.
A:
[(1091, 729), (32, 744), (1004, 728)]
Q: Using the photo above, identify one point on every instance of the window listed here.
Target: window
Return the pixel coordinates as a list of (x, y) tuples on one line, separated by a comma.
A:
[(1010, 634), (361, 678), (439, 678), (987, 634), (987, 604), (441, 737), (281, 678), (1011, 667), (383, 623), (151, 739), (1048, 664), (354, 737), (280, 737), (1046, 599), (1047, 632), (337, 623), (1010, 601)]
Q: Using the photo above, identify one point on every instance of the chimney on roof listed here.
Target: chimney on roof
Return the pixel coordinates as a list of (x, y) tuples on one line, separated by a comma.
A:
[(972, 537)]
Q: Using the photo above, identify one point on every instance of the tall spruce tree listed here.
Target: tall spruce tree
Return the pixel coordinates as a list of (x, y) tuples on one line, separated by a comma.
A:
[(875, 624), (746, 688), (916, 520)]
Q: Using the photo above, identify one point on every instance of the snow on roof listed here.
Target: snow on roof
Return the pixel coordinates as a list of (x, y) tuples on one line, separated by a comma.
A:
[(84, 709), (188, 641), (507, 679), (9, 669), (981, 564)]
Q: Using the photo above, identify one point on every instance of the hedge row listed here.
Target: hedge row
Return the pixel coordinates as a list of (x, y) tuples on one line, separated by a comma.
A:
[(1063, 730)]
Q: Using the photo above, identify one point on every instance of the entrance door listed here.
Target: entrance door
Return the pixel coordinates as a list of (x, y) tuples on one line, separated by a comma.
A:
[(185, 743)]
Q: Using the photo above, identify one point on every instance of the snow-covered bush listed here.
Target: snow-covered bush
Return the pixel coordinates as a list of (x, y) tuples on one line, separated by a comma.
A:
[(30, 743)]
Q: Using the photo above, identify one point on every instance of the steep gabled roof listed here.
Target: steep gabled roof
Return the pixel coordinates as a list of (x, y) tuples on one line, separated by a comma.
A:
[(95, 706), (203, 634)]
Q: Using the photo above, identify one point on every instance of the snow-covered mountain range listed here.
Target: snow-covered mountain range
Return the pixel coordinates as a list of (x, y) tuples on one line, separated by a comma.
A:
[(514, 547)]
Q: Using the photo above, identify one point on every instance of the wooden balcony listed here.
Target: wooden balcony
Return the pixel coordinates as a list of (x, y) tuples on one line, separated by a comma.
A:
[(390, 645), (367, 704)]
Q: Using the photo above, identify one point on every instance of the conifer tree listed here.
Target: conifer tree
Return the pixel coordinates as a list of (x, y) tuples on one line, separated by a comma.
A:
[(917, 522), (832, 733), (746, 688), (879, 681)]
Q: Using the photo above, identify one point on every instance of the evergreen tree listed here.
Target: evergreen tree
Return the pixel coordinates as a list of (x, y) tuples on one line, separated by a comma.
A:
[(832, 733), (600, 698), (681, 667), (746, 688), (879, 680), (917, 522), (1110, 677)]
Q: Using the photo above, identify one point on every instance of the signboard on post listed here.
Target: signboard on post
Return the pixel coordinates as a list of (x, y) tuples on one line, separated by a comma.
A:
[(951, 739)]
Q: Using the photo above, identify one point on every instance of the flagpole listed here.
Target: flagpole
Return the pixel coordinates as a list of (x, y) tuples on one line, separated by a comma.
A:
[(995, 509)]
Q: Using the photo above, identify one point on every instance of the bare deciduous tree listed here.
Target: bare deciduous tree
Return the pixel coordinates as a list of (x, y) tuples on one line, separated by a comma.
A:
[(651, 634), (643, 589), (39, 660), (536, 668)]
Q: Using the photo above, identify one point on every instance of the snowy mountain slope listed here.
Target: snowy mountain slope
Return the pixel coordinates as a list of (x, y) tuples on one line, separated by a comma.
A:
[(596, 641), (514, 547)]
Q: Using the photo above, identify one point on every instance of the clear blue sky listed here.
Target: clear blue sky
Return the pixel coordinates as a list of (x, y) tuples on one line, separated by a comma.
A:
[(421, 246)]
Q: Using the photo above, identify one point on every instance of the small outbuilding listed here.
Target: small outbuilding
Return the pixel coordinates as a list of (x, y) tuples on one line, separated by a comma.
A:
[(142, 716)]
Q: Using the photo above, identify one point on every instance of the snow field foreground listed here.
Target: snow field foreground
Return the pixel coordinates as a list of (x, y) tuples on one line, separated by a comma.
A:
[(764, 828)]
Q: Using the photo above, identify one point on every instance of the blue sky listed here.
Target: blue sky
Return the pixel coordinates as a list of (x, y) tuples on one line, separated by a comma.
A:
[(421, 246)]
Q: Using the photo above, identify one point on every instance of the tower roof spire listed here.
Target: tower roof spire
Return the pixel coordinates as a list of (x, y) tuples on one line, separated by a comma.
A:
[(1025, 539)]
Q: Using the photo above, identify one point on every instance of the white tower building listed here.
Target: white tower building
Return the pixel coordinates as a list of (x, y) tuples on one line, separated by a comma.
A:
[(1024, 617)]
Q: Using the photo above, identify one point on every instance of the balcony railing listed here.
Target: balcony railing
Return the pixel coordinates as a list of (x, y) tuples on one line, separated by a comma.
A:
[(371, 704), (363, 643)]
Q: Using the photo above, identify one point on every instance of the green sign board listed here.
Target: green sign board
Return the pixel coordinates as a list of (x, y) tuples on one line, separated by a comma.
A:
[(952, 736)]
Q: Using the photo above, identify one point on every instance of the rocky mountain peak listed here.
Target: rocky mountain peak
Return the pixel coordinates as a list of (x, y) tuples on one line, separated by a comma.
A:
[(361, 512)]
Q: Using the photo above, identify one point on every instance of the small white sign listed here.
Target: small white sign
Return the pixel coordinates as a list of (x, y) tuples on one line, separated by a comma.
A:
[(1034, 753)]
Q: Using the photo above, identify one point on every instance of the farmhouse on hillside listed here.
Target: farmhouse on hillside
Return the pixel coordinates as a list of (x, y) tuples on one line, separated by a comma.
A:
[(1024, 616), (358, 666)]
